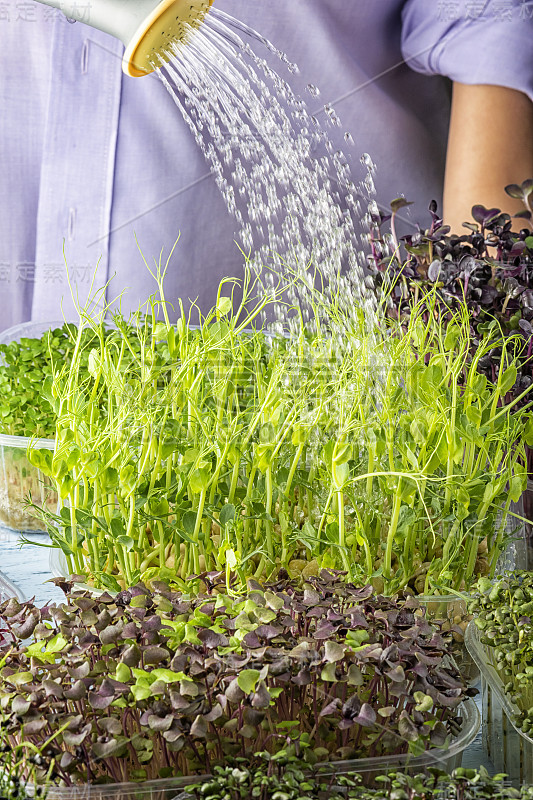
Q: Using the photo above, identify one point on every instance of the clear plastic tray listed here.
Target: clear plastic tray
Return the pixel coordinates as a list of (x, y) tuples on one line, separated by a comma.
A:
[(368, 767), (510, 750), (17, 476), (454, 609), (18, 480), (528, 514), (7, 590), (30, 330)]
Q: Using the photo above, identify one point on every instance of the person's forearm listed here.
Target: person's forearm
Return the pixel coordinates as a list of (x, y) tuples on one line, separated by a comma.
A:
[(490, 145)]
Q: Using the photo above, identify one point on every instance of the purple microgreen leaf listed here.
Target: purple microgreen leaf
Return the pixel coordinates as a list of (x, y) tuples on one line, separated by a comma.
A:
[(333, 651), (154, 655), (366, 717), (513, 190), (199, 727), (99, 701), (434, 270), (407, 727)]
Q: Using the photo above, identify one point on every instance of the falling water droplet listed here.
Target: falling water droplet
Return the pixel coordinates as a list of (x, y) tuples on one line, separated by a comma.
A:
[(367, 162)]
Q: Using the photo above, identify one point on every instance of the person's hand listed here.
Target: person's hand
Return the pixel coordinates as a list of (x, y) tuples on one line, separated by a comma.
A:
[(490, 146)]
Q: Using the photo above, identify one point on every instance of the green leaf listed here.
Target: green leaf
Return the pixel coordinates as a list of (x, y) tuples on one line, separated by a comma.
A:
[(227, 514), (47, 652), (128, 478), (224, 306), (201, 619), (171, 341), (357, 637), (94, 363), (328, 673), (508, 379), (168, 676), (424, 702), (142, 675), (341, 474), (199, 480), (231, 559), (117, 527), (159, 506), (190, 456), (123, 673), (126, 542), (299, 435), (418, 431), (516, 487), (160, 331), (406, 518), (19, 678), (473, 414), (491, 489), (267, 434), (189, 522), (247, 680), (327, 453), (191, 636), (57, 644), (399, 203), (265, 615), (273, 601), (141, 692), (453, 333), (73, 457)]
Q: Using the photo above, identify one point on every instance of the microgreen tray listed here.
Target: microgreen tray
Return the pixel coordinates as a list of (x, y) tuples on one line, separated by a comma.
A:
[(528, 514), (7, 590), (510, 750), (28, 330), (368, 767), (18, 480)]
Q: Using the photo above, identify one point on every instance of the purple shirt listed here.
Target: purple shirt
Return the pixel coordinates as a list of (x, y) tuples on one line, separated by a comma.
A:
[(85, 150)]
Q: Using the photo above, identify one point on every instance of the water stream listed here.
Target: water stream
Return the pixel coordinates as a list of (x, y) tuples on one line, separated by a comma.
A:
[(290, 189)]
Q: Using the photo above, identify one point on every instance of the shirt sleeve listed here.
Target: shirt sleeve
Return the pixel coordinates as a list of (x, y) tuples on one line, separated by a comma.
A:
[(471, 41)]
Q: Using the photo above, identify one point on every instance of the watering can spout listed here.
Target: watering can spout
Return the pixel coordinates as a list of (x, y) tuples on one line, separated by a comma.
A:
[(147, 28)]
